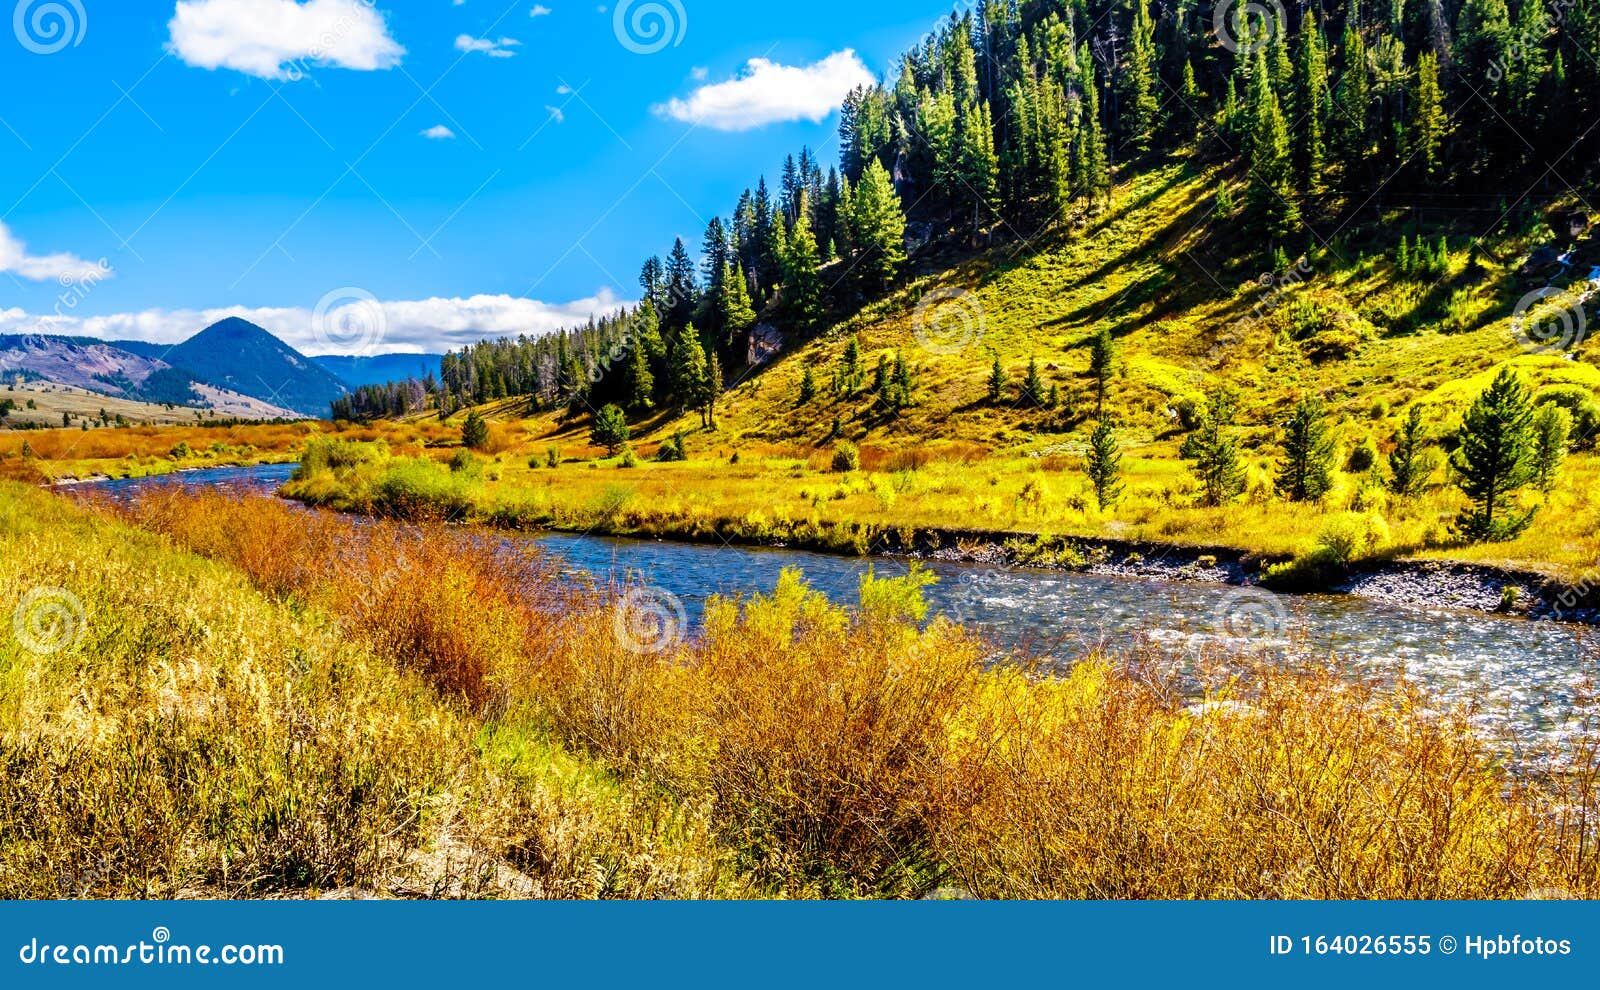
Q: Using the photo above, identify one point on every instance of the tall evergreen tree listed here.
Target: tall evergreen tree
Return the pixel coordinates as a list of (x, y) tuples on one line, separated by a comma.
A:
[(880, 227), (1215, 452), (1552, 425), (1271, 194), (802, 272), (691, 378), (1102, 361), (1312, 81), (997, 382), (1307, 471), (683, 290), (1142, 108), (1406, 467), (1428, 118), (737, 315), (1495, 459), (1104, 465)]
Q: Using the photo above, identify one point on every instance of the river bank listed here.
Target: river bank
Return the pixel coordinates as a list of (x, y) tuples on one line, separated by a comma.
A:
[(1410, 583)]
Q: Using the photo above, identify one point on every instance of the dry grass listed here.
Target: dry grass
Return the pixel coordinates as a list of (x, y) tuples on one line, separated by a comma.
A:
[(850, 753), (202, 739)]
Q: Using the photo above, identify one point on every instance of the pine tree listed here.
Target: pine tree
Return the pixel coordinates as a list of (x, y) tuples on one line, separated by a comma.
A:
[(713, 391), (997, 382), (682, 289), (1352, 97), (1406, 467), (1307, 471), (610, 429), (1102, 360), (802, 272), (1142, 108), (1552, 425), (689, 377), (808, 387), (979, 167), (641, 383), (1104, 465), (738, 317), (1033, 393), (880, 227), (1089, 148), (475, 432), (653, 280), (1312, 81), (1428, 118), (1495, 459), (1274, 214), (847, 379), (1215, 452)]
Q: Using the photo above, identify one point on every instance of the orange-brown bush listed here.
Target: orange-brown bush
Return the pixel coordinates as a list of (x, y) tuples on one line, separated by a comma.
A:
[(869, 753)]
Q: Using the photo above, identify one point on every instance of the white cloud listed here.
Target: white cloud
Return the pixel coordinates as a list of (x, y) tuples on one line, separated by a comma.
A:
[(439, 132), (768, 93), (415, 326), (488, 46), (539, 10), (556, 114), (279, 39), (66, 268)]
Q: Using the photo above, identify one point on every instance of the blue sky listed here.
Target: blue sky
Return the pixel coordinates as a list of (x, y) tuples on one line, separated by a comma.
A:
[(268, 157)]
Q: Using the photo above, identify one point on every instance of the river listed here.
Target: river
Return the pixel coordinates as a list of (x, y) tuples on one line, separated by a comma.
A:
[(1529, 680)]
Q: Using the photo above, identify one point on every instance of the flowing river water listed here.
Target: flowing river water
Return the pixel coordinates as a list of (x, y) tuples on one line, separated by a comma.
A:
[(1529, 680)]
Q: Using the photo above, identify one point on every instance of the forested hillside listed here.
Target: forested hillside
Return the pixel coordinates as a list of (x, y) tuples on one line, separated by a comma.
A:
[(1008, 128)]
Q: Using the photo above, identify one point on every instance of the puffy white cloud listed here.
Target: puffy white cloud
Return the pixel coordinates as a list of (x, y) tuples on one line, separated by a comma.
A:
[(415, 326), (439, 132), (279, 39), (539, 10), (768, 93), (488, 46), (65, 268)]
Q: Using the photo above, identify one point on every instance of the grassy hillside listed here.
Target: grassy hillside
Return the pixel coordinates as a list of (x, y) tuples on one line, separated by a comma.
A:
[(51, 399), (1345, 324)]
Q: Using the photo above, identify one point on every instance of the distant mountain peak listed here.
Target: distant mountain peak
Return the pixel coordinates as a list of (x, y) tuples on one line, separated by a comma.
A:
[(235, 328)]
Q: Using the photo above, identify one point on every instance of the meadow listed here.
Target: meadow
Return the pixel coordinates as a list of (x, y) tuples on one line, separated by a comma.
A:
[(793, 495), (239, 697), (48, 456)]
